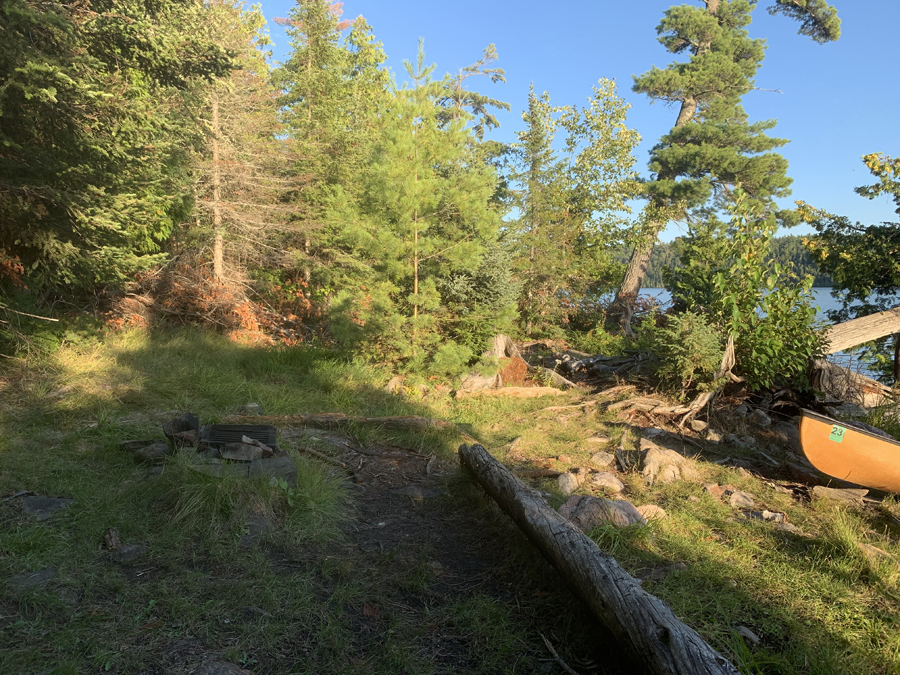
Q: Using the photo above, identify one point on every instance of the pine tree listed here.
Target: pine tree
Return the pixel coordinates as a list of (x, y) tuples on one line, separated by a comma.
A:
[(458, 99), (422, 213), (712, 146)]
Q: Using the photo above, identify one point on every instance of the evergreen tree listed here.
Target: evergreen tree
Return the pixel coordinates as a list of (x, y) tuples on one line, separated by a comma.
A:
[(458, 99), (93, 143), (422, 213), (712, 147)]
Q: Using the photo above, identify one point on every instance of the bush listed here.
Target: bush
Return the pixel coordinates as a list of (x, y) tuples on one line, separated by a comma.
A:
[(689, 349)]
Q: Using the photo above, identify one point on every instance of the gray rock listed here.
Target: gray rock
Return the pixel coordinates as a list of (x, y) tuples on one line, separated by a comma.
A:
[(244, 452), (602, 459), (660, 573), (69, 597), (567, 482), (698, 425), (742, 410), (394, 385), (845, 410), (131, 446), (588, 513), (274, 467), (220, 668), (257, 526), (608, 481), (153, 453), (842, 495), (748, 441), (713, 436), (664, 465), (741, 500), (251, 409), (474, 382), (184, 422), (768, 516), (760, 418), (43, 508), (28, 580)]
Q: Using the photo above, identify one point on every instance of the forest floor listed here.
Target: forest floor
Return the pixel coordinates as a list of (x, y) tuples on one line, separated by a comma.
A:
[(399, 565)]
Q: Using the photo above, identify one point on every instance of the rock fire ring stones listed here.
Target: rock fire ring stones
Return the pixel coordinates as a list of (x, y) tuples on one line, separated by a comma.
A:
[(43, 508), (664, 465)]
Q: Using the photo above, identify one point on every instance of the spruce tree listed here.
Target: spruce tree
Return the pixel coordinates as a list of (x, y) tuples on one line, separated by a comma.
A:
[(712, 147)]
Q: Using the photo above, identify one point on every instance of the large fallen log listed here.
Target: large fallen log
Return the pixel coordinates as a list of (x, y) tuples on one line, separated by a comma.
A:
[(846, 385), (848, 334), (643, 624)]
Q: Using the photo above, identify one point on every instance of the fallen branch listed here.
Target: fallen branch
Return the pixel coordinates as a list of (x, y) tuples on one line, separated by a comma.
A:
[(557, 657), (644, 625), (323, 457), (513, 392)]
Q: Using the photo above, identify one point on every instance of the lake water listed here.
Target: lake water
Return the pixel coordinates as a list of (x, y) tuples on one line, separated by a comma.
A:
[(824, 301)]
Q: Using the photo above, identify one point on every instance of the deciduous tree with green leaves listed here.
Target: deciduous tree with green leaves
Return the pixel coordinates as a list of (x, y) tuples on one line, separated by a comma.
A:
[(712, 147), (573, 203)]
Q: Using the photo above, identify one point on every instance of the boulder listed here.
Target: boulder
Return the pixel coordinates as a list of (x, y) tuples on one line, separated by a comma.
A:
[(43, 508), (652, 512), (760, 418), (153, 453), (567, 483), (588, 513), (27, 580), (603, 459), (608, 481), (664, 465), (184, 422)]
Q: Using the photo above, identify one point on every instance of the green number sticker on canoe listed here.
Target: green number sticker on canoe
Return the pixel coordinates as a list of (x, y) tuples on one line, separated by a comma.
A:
[(837, 434)]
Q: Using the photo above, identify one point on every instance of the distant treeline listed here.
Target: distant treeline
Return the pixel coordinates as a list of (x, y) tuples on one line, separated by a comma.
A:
[(788, 250)]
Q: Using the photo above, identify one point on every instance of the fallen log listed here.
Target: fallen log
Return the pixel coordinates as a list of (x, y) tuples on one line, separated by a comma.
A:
[(340, 421), (512, 392), (846, 385), (643, 624), (848, 334)]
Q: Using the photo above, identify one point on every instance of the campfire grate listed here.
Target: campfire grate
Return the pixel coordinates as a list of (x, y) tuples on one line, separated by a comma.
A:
[(215, 434)]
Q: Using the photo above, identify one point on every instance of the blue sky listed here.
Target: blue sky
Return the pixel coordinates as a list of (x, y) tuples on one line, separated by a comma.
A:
[(838, 101)]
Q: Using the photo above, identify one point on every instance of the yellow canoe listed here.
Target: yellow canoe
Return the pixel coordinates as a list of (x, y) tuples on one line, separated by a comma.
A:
[(851, 454)]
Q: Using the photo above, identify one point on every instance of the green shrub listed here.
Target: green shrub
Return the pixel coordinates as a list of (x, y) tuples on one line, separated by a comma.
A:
[(689, 351)]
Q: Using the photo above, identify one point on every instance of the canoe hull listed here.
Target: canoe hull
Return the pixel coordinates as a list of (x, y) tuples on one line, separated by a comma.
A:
[(851, 454)]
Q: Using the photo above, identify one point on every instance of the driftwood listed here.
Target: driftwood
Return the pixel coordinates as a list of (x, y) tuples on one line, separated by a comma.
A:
[(512, 392), (643, 624), (846, 385), (848, 334)]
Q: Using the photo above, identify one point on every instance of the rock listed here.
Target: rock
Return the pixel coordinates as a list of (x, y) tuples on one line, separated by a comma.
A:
[(27, 580), (845, 410), (567, 483), (741, 500), (131, 446), (153, 453), (598, 440), (871, 429), (652, 512), (220, 668), (716, 490), (185, 422), (802, 474), (748, 441), (793, 529), (129, 552), (660, 573), (846, 495), (664, 465), (185, 438), (760, 418), (608, 481), (69, 597), (747, 634), (474, 382), (740, 441), (394, 385), (787, 433), (731, 439), (768, 516), (652, 432), (588, 513), (250, 409), (257, 526), (112, 540), (603, 459), (699, 425), (713, 436), (43, 508), (244, 452), (742, 410)]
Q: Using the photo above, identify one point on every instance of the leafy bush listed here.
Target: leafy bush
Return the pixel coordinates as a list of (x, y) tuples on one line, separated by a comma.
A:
[(728, 277)]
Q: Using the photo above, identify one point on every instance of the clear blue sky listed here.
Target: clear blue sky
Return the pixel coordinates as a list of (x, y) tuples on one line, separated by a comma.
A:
[(839, 101)]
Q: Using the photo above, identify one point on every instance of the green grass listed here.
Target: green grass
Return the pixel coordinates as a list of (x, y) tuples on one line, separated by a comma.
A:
[(305, 601)]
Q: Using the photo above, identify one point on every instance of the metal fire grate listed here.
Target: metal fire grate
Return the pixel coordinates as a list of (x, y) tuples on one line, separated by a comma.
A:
[(215, 434)]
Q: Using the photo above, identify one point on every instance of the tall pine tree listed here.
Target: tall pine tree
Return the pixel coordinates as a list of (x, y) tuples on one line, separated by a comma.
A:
[(712, 146)]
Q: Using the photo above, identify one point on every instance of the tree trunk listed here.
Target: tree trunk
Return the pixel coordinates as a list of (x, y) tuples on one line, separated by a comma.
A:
[(848, 334), (621, 310), (218, 236), (646, 628)]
